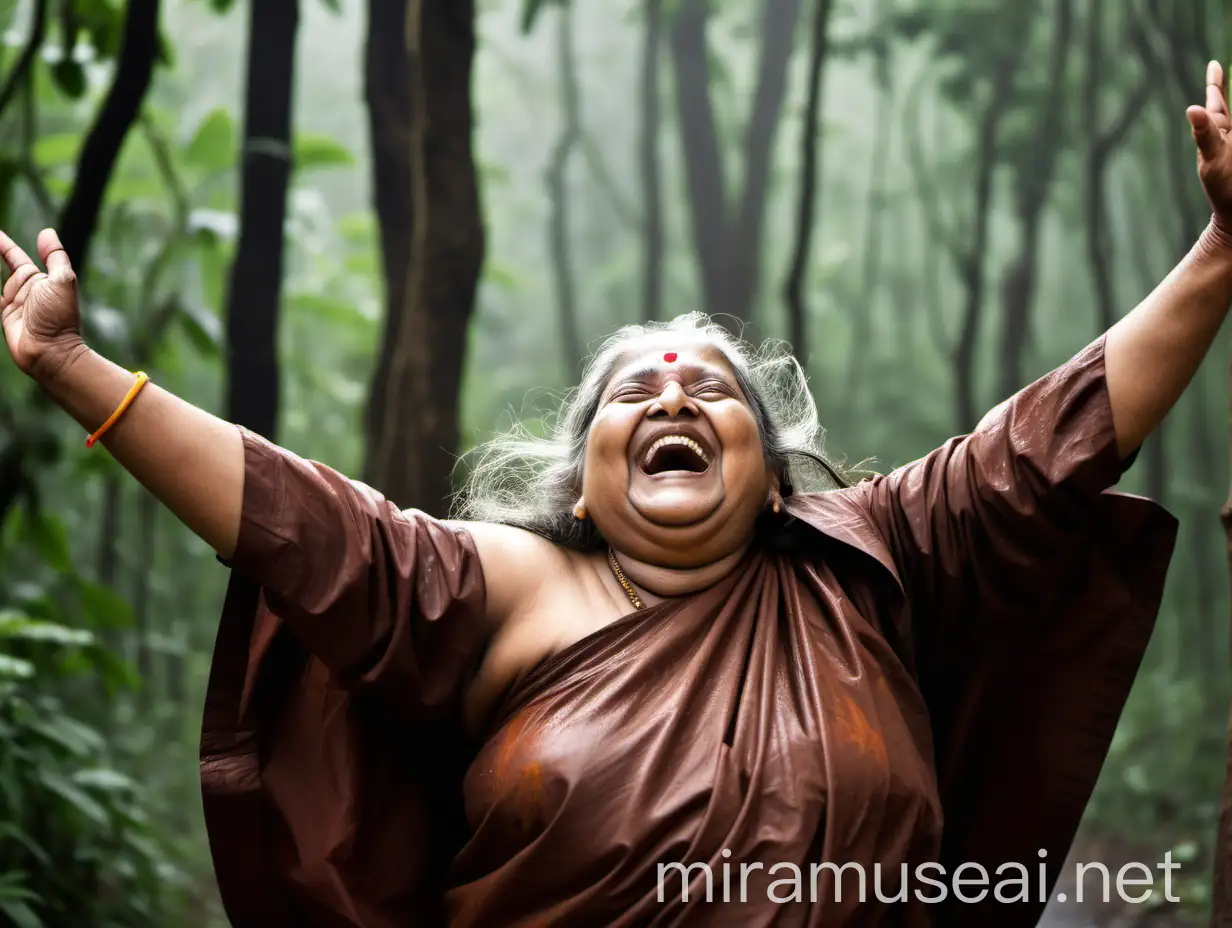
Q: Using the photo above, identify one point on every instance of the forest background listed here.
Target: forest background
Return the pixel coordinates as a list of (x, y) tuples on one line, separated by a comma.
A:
[(379, 251)]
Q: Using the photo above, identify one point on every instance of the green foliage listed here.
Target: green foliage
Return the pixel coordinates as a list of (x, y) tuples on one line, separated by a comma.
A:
[(75, 835), (315, 152)]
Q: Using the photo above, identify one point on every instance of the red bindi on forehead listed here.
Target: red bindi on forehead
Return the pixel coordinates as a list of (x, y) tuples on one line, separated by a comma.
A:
[(669, 357)]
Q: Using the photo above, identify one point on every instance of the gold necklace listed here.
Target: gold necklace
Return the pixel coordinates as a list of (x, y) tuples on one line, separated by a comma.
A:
[(624, 581)]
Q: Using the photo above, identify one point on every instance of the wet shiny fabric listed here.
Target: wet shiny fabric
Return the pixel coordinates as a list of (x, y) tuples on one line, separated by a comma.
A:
[(927, 667)]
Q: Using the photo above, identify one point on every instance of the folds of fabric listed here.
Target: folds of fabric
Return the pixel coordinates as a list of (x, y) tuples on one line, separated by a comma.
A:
[(931, 670)]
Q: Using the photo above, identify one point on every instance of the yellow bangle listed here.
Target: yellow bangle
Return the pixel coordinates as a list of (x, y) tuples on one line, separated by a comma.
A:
[(142, 380)]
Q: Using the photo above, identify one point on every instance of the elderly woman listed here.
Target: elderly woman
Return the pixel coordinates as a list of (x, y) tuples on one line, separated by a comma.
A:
[(654, 679)]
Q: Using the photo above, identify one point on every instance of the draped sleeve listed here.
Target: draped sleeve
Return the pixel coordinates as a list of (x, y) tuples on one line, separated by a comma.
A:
[(985, 526), (331, 747)]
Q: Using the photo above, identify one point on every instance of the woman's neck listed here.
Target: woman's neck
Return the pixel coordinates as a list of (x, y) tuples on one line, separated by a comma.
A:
[(656, 583)]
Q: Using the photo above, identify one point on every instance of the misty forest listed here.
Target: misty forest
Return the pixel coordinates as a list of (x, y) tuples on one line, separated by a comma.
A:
[(377, 231)]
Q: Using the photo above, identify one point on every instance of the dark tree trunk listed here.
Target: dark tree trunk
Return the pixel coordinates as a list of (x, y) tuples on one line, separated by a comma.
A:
[(971, 262), (703, 156), (1035, 174), (138, 51), (810, 171), (20, 72), (728, 241), (387, 93), (863, 310), (649, 161), (79, 216), (255, 287), (557, 178), (418, 434), (744, 244), (1102, 144)]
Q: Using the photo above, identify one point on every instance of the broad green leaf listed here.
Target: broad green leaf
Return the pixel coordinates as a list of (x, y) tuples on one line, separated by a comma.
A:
[(103, 608), (9, 831), (314, 151), (58, 150), (15, 668), (50, 540), (105, 779), (19, 914), (70, 77), (213, 145), (15, 625), (77, 798), (116, 673), (75, 737), (202, 327)]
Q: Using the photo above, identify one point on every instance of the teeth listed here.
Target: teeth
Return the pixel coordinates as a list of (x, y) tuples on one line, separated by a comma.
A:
[(678, 440)]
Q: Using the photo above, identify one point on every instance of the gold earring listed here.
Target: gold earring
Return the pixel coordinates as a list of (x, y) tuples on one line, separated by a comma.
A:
[(777, 503), (579, 511)]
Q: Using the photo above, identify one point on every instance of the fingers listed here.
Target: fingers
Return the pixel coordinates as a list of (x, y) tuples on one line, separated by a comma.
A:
[(12, 254), (1205, 132), (53, 255), (14, 284), (1216, 101), (24, 291)]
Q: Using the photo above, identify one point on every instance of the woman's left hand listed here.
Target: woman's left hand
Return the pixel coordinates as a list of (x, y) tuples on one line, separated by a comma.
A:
[(1212, 131)]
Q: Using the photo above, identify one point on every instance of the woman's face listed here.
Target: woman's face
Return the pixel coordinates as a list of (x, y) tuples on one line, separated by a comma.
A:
[(675, 473)]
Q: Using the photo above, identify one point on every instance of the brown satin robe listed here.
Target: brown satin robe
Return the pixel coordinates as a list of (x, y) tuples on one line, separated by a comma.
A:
[(928, 666)]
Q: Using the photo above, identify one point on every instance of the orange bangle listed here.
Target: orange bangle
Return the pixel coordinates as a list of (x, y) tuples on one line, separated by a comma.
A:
[(142, 380)]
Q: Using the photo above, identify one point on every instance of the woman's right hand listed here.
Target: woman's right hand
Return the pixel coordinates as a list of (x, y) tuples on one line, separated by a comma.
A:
[(42, 324)]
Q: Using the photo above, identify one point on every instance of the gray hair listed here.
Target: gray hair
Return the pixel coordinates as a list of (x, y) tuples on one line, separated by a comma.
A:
[(532, 482)]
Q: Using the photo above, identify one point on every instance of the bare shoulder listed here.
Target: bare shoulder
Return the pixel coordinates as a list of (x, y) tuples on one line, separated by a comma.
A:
[(515, 564)]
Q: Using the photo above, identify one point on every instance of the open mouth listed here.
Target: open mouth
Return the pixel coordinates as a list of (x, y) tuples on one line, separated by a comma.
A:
[(675, 454)]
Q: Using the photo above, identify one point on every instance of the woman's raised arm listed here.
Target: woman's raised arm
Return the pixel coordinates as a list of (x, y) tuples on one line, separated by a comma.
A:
[(1155, 350), (190, 460)]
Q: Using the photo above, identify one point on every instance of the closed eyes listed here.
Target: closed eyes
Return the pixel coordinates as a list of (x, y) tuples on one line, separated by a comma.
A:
[(709, 390)]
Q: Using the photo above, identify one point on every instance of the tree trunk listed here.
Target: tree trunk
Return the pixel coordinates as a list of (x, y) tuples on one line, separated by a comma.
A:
[(649, 161), (387, 94), (138, 51), (557, 179), (971, 264), (1034, 179), (1102, 144), (863, 310), (810, 170), (20, 71), (703, 156), (728, 242), (743, 262), (255, 287), (417, 436)]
